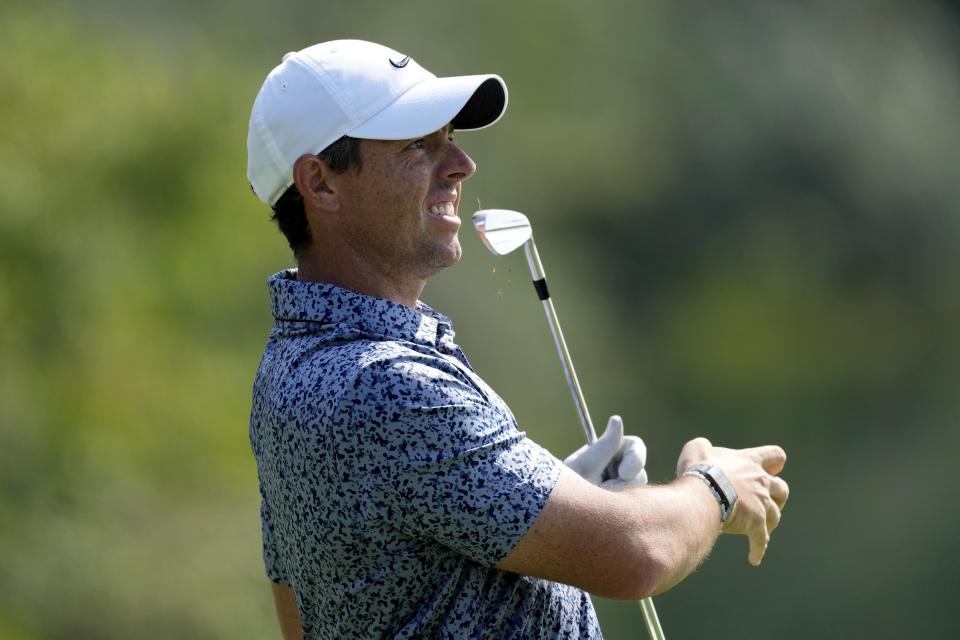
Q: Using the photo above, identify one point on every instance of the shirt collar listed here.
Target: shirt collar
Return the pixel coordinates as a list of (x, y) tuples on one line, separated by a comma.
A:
[(294, 301)]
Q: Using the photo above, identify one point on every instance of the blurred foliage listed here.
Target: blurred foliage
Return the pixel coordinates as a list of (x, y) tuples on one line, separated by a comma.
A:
[(750, 214)]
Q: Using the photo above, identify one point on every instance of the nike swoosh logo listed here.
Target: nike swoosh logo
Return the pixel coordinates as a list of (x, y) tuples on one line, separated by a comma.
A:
[(402, 63)]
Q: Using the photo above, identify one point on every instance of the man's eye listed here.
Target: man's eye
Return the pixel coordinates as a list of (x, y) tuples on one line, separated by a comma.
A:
[(417, 144)]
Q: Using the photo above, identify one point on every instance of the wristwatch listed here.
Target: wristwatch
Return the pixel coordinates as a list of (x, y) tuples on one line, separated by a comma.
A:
[(721, 487)]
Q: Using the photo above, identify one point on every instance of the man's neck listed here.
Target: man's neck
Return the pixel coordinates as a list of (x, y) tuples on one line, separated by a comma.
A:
[(361, 277)]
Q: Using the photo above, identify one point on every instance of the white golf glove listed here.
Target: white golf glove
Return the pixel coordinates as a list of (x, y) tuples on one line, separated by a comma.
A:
[(614, 461)]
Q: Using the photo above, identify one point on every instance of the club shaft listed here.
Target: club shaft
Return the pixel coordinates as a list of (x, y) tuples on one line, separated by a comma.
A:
[(650, 618)]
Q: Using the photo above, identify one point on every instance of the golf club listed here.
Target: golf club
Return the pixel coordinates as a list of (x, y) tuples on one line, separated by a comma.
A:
[(503, 231)]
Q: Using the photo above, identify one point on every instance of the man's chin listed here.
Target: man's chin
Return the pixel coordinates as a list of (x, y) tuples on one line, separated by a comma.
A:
[(452, 258), (444, 257)]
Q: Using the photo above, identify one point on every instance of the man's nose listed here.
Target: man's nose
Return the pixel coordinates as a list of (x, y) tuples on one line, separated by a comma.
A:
[(458, 166)]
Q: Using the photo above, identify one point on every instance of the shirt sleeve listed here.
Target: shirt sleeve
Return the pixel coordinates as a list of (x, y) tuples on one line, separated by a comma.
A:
[(436, 457)]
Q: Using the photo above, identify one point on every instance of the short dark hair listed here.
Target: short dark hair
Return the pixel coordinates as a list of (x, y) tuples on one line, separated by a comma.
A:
[(289, 213)]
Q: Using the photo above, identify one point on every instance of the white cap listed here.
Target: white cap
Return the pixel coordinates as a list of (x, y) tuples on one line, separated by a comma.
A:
[(356, 88)]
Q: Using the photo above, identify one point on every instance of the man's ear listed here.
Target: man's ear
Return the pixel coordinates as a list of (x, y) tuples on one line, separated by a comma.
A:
[(311, 176)]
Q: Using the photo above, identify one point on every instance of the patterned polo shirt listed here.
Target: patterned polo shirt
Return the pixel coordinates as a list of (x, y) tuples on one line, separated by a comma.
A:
[(393, 479)]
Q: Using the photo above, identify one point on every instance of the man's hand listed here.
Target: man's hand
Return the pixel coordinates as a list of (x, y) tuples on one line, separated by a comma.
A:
[(761, 494), (614, 461)]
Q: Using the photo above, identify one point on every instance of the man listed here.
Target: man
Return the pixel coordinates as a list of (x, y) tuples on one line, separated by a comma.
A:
[(400, 500)]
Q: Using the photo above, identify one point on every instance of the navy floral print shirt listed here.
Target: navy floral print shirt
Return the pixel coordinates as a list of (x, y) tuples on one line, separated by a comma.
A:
[(393, 479)]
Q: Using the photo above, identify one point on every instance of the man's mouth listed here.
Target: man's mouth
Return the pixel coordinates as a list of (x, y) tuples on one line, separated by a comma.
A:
[(444, 209)]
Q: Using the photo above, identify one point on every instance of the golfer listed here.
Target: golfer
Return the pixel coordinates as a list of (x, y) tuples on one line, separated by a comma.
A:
[(399, 497)]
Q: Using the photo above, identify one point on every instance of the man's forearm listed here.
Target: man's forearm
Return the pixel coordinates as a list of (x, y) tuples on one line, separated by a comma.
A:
[(679, 524), (624, 545), (643, 540)]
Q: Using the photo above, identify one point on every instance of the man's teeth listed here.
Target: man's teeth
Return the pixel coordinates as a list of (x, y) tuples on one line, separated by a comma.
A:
[(445, 209)]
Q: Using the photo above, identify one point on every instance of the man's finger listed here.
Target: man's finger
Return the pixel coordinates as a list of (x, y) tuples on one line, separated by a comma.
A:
[(601, 452), (589, 461), (773, 515), (771, 458), (634, 457), (759, 539), (779, 491), (696, 450)]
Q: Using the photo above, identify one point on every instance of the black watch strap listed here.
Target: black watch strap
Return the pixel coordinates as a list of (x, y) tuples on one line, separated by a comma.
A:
[(717, 480)]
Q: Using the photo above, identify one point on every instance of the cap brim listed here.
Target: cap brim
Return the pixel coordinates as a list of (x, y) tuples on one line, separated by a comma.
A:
[(469, 102)]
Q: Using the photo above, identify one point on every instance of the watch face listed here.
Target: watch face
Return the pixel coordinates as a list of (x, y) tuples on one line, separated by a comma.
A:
[(722, 488), (724, 485), (701, 471)]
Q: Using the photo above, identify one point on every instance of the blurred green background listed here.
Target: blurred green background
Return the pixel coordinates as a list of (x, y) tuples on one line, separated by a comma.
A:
[(749, 212)]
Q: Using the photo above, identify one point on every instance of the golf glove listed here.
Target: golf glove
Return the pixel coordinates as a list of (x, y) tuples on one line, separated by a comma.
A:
[(614, 461)]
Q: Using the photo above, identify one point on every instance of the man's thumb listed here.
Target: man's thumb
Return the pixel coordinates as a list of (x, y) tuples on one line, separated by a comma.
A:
[(601, 452)]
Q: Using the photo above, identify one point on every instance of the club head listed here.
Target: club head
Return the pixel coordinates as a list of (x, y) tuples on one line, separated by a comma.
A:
[(502, 230)]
